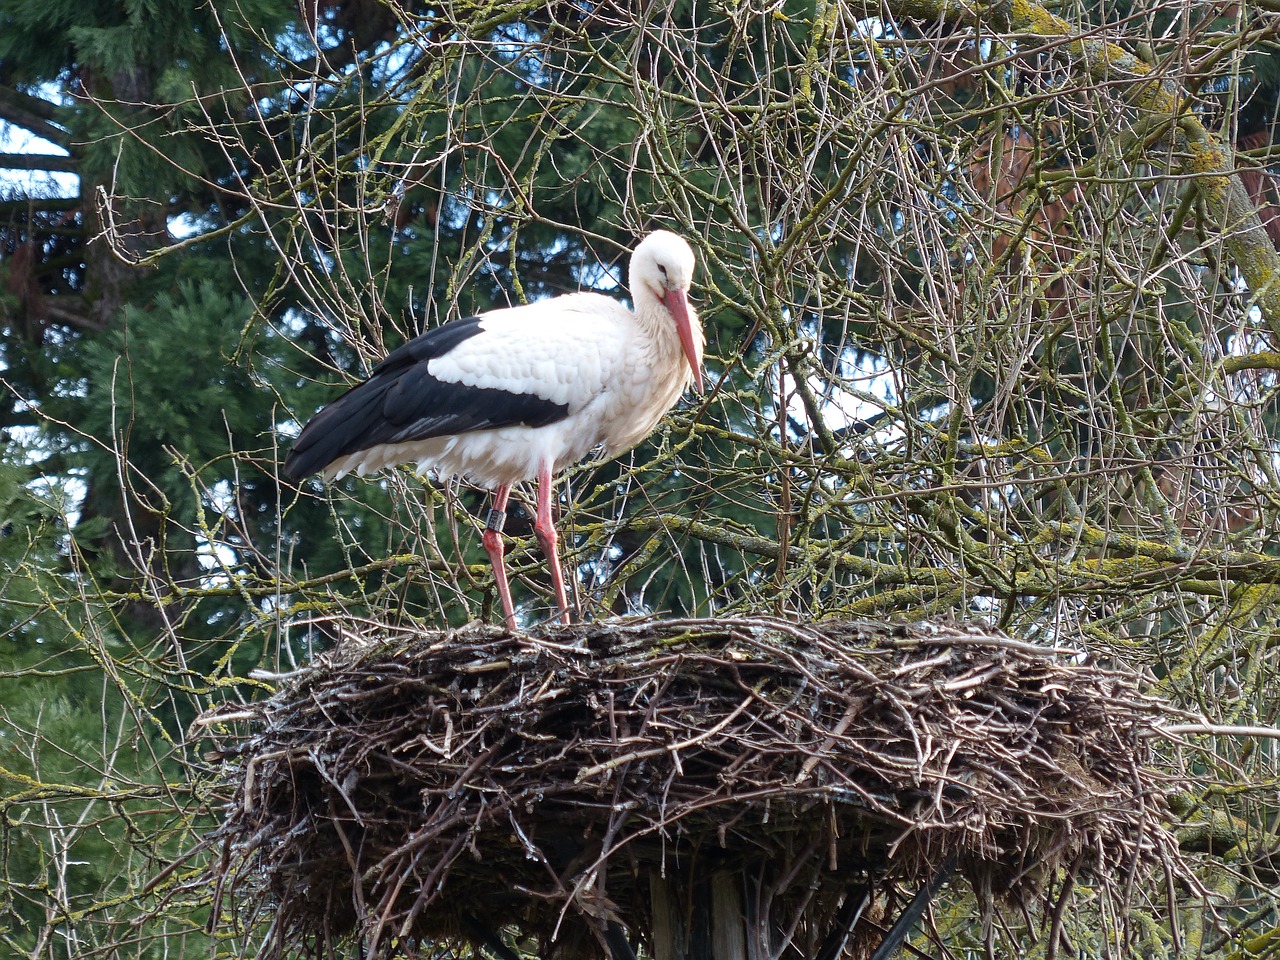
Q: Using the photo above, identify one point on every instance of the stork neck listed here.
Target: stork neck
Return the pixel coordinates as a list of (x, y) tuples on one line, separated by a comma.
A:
[(660, 327), (650, 310), (653, 317)]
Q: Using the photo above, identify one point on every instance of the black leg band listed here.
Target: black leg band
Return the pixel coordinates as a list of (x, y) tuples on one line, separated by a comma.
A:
[(496, 520)]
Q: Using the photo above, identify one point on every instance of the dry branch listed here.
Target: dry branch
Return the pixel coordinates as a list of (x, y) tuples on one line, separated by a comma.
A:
[(1199, 154)]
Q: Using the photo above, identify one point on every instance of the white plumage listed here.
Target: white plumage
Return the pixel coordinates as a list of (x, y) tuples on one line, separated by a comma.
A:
[(521, 393)]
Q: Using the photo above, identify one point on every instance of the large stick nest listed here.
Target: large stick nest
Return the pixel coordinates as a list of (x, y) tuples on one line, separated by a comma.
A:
[(415, 786)]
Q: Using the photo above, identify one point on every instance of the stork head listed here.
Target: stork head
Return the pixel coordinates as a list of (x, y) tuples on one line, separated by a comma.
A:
[(662, 269)]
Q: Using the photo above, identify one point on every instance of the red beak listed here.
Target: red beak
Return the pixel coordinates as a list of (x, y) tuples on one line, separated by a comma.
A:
[(678, 304)]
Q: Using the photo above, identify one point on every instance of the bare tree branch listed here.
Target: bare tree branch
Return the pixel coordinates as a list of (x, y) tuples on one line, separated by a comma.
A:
[(38, 162), (32, 114)]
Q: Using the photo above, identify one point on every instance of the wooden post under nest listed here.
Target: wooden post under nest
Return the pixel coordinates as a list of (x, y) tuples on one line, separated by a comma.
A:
[(738, 789), (702, 919)]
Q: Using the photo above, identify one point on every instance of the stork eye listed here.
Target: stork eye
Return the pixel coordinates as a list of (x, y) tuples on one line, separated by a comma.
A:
[(663, 269)]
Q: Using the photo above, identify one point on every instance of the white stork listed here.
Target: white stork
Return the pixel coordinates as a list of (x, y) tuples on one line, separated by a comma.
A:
[(520, 393)]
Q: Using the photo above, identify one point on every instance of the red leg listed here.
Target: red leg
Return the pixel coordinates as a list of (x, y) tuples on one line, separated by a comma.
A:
[(546, 531), (493, 546)]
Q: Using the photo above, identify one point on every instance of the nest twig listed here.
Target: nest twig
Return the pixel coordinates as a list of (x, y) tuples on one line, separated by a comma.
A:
[(423, 786)]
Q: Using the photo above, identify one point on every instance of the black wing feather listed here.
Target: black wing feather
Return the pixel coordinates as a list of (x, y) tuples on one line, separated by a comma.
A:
[(402, 402), (433, 343)]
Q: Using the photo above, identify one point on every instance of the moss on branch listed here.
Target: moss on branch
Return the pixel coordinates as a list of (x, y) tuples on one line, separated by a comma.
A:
[(1197, 152)]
